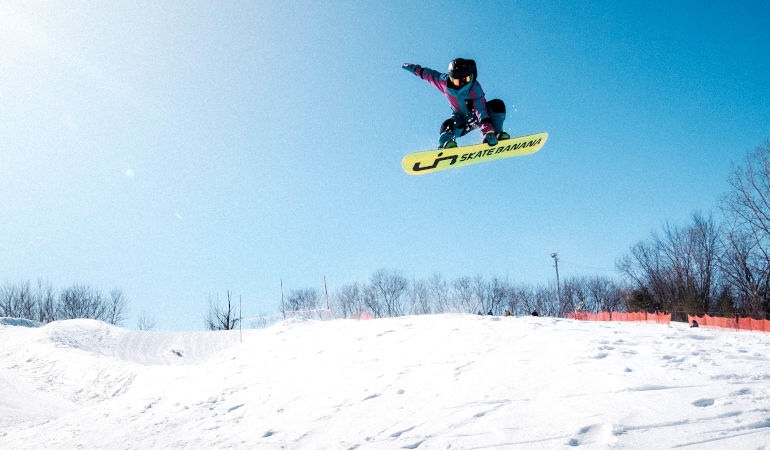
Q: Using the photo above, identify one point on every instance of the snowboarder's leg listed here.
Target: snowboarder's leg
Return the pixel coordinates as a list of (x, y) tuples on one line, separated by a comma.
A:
[(448, 133), (496, 109)]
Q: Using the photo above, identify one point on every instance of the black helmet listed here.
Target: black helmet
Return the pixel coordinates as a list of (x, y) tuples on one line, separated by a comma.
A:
[(460, 69)]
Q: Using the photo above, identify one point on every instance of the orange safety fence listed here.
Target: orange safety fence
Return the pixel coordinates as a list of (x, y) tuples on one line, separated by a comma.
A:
[(361, 316), (605, 316), (732, 323)]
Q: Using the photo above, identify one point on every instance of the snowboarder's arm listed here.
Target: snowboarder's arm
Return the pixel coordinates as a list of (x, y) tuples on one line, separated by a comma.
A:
[(437, 79)]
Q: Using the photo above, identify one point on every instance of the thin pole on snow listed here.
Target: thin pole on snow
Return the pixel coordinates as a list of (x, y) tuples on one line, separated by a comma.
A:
[(326, 290), (240, 320)]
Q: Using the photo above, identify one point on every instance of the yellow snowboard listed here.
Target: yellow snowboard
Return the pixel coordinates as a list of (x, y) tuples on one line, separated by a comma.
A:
[(434, 160)]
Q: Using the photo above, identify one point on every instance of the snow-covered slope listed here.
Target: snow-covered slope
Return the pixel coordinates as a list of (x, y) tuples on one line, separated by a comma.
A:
[(448, 381)]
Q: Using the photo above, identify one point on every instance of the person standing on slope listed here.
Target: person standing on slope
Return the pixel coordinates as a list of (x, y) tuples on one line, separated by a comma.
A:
[(470, 110)]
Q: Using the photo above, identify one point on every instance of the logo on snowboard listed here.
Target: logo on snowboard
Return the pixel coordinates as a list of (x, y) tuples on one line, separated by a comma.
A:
[(479, 154)]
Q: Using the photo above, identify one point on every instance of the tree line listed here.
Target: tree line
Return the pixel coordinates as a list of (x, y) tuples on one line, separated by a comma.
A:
[(41, 303), (711, 266), (388, 293)]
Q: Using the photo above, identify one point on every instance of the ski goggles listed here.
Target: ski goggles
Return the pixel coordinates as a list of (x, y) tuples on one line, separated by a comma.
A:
[(460, 81)]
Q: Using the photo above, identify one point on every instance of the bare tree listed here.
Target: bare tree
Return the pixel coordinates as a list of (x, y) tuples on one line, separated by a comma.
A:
[(607, 294), (115, 307), (520, 300), (464, 297), (546, 301), (749, 199), (420, 297), (27, 303), (222, 317), (646, 265), (707, 238), (498, 292), (145, 322), (746, 259), (746, 270), (46, 302), (390, 287), (349, 300), (372, 301), (303, 301), (439, 290), (679, 269), (480, 290), (18, 300), (9, 300), (574, 296), (81, 302)]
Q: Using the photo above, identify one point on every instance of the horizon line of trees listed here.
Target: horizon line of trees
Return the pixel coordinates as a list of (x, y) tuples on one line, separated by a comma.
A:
[(389, 294), (41, 303)]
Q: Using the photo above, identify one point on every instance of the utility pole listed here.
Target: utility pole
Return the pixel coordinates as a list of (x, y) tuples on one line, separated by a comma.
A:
[(558, 285)]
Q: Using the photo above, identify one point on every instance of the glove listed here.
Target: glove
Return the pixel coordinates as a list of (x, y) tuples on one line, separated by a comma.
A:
[(409, 67), (490, 138)]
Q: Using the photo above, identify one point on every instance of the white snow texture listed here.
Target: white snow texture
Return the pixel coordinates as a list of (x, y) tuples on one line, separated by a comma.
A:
[(427, 382)]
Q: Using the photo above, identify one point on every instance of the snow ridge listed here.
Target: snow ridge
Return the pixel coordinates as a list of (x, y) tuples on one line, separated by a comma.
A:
[(410, 382)]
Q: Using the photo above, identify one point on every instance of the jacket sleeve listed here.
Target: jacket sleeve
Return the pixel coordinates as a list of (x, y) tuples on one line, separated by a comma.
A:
[(437, 79), (480, 105)]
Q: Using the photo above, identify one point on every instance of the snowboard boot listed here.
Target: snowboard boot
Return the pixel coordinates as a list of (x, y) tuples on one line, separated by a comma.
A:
[(449, 144), (448, 134), (497, 117)]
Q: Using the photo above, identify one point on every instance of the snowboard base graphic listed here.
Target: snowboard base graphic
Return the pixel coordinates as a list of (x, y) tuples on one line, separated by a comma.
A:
[(419, 163)]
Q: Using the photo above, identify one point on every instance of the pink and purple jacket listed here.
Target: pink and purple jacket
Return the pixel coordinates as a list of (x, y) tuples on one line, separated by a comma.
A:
[(464, 101)]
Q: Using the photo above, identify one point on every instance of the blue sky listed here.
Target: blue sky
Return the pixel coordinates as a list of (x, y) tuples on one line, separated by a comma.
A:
[(177, 150)]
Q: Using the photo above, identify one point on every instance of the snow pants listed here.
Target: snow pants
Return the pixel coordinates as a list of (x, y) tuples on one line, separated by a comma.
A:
[(460, 124)]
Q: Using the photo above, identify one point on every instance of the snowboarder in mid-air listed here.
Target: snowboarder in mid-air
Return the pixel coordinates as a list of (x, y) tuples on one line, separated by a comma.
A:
[(470, 110)]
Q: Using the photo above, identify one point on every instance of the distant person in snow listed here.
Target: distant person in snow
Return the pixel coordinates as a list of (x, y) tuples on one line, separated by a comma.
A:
[(470, 110)]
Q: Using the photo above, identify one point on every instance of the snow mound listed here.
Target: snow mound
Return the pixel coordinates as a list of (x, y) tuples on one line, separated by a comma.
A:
[(141, 347), (447, 381), (13, 322)]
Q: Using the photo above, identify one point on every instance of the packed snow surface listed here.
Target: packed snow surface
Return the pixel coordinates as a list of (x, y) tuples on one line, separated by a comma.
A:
[(426, 382)]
